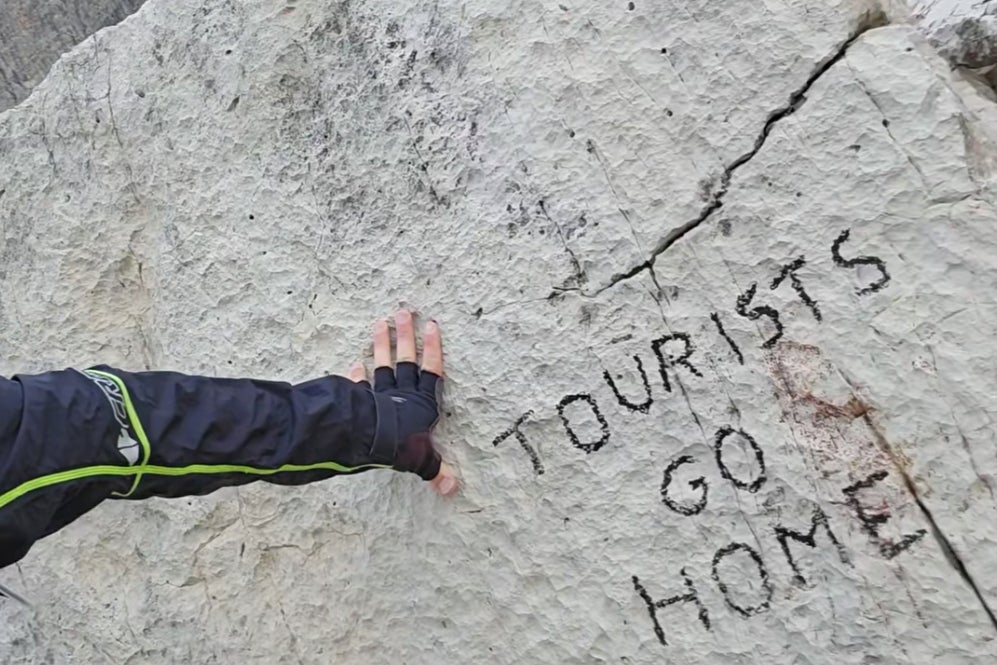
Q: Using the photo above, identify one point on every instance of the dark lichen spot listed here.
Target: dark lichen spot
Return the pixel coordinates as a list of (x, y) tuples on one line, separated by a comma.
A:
[(705, 189)]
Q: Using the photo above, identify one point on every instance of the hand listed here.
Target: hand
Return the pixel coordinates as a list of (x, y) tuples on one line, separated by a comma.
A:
[(415, 393)]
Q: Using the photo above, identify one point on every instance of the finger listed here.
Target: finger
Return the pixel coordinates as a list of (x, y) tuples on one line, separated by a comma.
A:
[(358, 373), (382, 344), (384, 374), (384, 379), (431, 385), (405, 332), (432, 349), (432, 361), (445, 483), (407, 374)]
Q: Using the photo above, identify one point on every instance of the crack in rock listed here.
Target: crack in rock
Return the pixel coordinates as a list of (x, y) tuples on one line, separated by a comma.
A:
[(944, 543), (869, 21)]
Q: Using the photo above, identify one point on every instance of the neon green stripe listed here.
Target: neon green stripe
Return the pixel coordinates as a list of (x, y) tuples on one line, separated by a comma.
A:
[(145, 468), (136, 425), (194, 469)]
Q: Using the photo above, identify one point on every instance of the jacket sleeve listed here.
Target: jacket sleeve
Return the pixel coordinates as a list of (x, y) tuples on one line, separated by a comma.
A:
[(70, 439)]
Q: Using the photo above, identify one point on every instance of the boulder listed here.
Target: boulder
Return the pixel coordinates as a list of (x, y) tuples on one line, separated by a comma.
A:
[(716, 282)]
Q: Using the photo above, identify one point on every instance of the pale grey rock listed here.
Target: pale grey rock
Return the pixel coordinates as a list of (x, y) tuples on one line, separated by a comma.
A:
[(34, 34), (240, 187), (964, 31)]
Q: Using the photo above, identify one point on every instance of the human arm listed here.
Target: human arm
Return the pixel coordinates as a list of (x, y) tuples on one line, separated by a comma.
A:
[(70, 439)]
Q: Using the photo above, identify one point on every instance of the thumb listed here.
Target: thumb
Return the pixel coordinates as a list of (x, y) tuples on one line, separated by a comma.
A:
[(445, 483)]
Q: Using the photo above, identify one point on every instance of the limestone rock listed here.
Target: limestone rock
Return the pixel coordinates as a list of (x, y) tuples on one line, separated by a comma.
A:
[(964, 31), (34, 34), (716, 282)]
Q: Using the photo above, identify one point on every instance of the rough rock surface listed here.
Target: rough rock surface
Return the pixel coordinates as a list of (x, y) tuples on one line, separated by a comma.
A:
[(717, 282), (964, 31), (34, 34)]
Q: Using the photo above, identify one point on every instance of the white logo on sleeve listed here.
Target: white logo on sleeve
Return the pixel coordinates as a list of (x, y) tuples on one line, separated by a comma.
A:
[(128, 447)]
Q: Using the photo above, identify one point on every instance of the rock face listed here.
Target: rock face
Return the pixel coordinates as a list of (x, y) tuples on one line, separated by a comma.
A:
[(964, 31), (716, 281), (34, 34)]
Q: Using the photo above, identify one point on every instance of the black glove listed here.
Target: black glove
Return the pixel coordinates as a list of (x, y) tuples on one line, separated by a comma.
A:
[(407, 400)]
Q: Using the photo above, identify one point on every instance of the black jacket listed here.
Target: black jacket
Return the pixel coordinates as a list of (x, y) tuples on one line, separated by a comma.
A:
[(70, 439)]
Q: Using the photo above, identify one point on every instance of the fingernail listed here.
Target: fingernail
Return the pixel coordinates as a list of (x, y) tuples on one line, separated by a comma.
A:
[(448, 485)]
